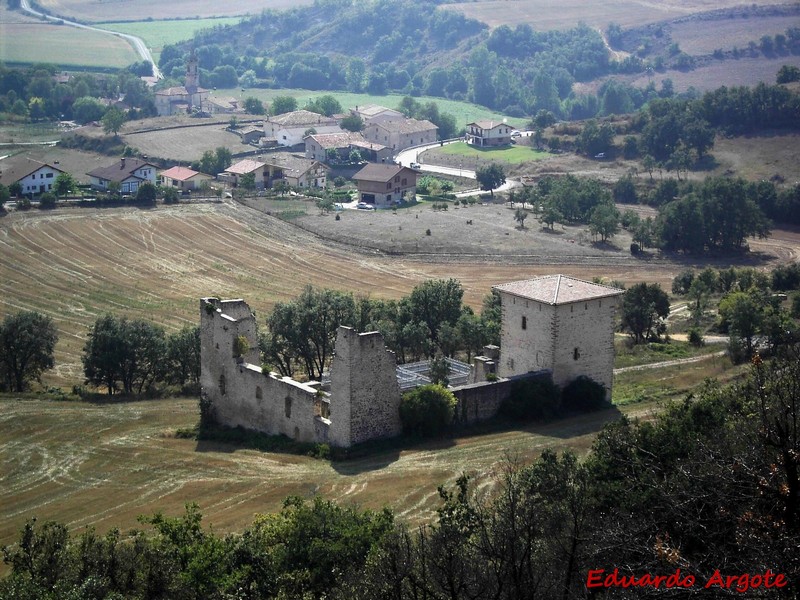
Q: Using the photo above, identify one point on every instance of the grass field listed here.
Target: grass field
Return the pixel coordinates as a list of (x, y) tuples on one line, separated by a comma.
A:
[(510, 154), (157, 34), (64, 46), (99, 12), (101, 465), (544, 15), (464, 112), (693, 38)]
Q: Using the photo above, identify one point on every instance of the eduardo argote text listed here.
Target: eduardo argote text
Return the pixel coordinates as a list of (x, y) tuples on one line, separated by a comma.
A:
[(741, 583)]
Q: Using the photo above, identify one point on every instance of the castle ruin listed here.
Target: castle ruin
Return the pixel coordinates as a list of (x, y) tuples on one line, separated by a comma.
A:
[(555, 325)]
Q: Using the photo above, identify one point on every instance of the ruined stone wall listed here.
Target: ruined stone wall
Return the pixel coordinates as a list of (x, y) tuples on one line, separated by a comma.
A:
[(585, 341), (527, 336), (240, 393), (365, 397), (481, 401)]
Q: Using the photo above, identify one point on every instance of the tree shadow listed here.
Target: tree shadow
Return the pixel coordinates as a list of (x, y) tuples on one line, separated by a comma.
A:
[(707, 163)]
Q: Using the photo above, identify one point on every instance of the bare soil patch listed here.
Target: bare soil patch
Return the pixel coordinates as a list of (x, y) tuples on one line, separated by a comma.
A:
[(185, 143)]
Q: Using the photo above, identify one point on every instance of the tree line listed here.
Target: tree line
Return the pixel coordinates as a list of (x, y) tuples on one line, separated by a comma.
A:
[(301, 333), (33, 93), (706, 489)]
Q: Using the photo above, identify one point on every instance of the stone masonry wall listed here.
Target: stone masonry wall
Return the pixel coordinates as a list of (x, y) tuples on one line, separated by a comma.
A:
[(529, 349), (585, 341), (240, 393), (365, 397)]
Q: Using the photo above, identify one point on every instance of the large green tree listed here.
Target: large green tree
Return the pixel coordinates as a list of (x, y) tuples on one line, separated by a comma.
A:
[(113, 120), (435, 302), (27, 345), (644, 308), (490, 177), (126, 354)]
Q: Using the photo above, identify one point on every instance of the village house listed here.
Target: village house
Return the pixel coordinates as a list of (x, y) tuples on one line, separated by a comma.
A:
[(233, 174), (185, 98), (401, 134), (221, 105), (250, 134), (130, 173), (382, 185), (184, 179), (296, 171), (289, 129), (320, 145), (33, 176), (374, 113), (489, 133)]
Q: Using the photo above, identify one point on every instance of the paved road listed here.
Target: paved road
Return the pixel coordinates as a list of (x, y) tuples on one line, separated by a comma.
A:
[(136, 42), (406, 157)]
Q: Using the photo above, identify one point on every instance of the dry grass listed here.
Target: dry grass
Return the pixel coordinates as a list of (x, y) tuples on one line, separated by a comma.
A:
[(102, 465), (185, 144), (543, 15), (96, 12), (747, 71), (693, 37), (778, 152)]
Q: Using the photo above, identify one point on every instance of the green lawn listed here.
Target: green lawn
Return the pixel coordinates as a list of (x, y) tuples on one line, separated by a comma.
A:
[(157, 34), (509, 154), (629, 356), (464, 112)]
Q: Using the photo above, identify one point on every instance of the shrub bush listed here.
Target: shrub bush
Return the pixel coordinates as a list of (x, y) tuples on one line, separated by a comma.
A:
[(695, 337), (583, 394), (427, 411), (532, 399)]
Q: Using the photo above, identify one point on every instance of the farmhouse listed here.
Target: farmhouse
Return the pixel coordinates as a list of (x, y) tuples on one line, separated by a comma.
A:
[(489, 133), (259, 169), (297, 171), (375, 113), (555, 325), (383, 185), (183, 178), (401, 133), (33, 176), (289, 129), (338, 146), (130, 173)]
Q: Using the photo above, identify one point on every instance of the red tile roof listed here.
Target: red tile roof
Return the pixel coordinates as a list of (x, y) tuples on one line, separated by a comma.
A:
[(181, 173)]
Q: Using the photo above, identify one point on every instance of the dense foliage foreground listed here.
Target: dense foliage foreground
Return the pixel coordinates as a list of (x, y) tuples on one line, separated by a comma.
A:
[(703, 500)]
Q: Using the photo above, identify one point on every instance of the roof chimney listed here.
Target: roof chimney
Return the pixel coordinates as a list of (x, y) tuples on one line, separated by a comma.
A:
[(122, 163)]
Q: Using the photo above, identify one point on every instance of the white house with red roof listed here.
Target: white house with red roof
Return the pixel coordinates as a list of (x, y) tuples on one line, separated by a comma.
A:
[(130, 173), (183, 178), (259, 169), (559, 323), (489, 133), (290, 128), (35, 177)]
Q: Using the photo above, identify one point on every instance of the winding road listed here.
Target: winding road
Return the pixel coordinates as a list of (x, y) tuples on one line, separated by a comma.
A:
[(137, 43)]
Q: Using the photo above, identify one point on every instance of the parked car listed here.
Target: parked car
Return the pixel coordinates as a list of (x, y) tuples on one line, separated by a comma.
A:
[(416, 165), (364, 206), (515, 134)]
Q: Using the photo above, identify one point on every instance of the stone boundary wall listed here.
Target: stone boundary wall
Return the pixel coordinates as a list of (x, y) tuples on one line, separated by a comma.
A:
[(481, 401)]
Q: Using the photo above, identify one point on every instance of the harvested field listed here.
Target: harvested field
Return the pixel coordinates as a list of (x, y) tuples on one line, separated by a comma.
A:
[(77, 264), (694, 39), (185, 143), (97, 12), (543, 15), (746, 71), (67, 47), (101, 465)]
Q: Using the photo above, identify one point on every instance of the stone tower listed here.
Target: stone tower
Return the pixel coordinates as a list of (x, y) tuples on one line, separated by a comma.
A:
[(192, 75), (559, 323)]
